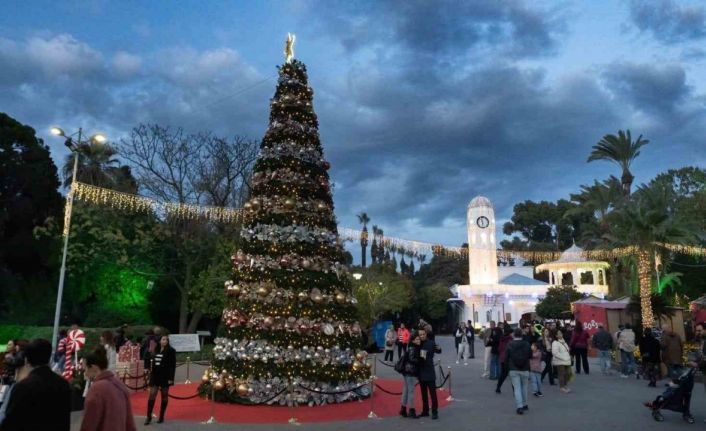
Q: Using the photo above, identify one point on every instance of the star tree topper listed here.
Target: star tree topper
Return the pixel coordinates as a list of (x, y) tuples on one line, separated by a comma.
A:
[(289, 48)]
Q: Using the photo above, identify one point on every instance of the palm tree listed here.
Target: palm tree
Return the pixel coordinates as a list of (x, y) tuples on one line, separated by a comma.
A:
[(364, 220), (375, 246), (622, 150), (98, 166), (645, 221), (596, 201)]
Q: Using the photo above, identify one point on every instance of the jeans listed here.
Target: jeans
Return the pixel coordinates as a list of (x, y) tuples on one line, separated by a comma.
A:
[(520, 381), (504, 371), (408, 391), (486, 361), (463, 352), (627, 362), (604, 359), (549, 369), (581, 355), (429, 389), (536, 379), (494, 366)]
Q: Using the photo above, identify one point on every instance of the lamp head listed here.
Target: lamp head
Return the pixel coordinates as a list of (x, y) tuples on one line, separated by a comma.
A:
[(357, 276), (99, 137), (56, 131)]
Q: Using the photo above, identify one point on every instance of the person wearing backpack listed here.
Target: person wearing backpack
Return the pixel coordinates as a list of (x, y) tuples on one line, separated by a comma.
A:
[(518, 354), (409, 368)]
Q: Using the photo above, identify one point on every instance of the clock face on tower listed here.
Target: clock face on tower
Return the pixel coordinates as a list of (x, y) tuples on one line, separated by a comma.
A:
[(483, 222)]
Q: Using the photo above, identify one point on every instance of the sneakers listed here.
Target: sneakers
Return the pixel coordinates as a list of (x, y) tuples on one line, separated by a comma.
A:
[(434, 416), (497, 390), (520, 411), (525, 407), (565, 390), (456, 362), (538, 394), (465, 363)]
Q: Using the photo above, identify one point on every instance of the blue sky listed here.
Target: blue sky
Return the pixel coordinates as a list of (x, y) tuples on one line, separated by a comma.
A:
[(422, 105)]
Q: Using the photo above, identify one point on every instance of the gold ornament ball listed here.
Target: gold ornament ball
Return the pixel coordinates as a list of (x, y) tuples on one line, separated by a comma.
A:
[(360, 355), (340, 298), (205, 378), (243, 389), (289, 204), (317, 298), (357, 365), (262, 291), (248, 206), (306, 264), (255, 203), (219, 385), (302, 296)]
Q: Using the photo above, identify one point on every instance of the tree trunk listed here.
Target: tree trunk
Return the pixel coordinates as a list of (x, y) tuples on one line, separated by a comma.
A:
[(362, 255), (644, 273), (626, 180), (184, 305), (194, 322)]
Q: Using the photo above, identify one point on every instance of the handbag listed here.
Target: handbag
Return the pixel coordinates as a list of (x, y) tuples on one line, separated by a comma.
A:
[(400, 364)]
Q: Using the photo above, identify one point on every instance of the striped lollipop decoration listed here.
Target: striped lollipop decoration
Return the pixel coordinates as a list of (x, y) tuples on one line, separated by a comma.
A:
[(74, 342)]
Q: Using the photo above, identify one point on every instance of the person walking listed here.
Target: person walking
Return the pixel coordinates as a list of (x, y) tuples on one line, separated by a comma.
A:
[(536, 369), (496, 334), (402, 339), (410, 374), (502, 354), (41, 401), (427, 375), (109, 345), (471, 333), (626, 345), (579, 346), (488, 348), (390, 338), (457, 337), (547, 340), (603, 342), (561, 359), (465, 337), (518, 355), (161, 377), (672, 350), (650, 352), (107, 406)]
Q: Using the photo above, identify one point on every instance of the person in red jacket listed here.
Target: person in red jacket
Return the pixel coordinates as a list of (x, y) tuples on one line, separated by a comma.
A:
[(579, 347), (402, 340), (107, 406)]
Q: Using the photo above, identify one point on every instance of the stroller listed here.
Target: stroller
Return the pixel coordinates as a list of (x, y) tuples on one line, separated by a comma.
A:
[(676, 398)]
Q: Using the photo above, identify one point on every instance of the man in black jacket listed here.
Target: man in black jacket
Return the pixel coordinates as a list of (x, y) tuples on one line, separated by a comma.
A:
[(427, 376), (518, 353), (42, 401)]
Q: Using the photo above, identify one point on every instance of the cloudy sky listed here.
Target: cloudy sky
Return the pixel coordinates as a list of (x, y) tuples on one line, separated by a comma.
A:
[(423, 105)]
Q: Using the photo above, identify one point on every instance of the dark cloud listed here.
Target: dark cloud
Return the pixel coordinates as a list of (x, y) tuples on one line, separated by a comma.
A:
[(652, 89), (669, 21)]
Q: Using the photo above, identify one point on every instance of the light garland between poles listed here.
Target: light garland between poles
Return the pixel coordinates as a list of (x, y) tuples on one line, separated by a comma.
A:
[(135, 203)]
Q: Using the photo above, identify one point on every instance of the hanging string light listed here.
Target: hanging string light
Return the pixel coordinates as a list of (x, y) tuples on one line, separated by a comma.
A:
[(135, 203)]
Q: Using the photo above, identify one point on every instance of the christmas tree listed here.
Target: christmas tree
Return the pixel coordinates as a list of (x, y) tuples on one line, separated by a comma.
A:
[(291, 333)]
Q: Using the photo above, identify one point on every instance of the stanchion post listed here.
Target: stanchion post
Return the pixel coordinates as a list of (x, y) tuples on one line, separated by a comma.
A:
[(212, 419), (188, 364), (372, 414), (450, 397), (292, 420)]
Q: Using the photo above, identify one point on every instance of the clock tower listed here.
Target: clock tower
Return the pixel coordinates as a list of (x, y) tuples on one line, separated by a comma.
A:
[(482, 255)]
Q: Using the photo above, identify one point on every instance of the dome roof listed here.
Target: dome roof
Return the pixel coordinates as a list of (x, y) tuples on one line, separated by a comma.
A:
[(480, 201), (572, 254)]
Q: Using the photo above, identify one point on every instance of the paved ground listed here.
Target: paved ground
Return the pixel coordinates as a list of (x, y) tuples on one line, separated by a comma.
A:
[(597, 403)]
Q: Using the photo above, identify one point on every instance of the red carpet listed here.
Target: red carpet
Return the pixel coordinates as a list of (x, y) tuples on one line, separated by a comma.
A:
[(198, 409)]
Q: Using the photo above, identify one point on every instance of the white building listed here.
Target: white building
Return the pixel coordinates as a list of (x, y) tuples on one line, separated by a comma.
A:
[(506, 293)]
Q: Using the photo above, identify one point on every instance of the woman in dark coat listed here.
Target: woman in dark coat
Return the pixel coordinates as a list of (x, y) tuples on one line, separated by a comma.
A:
[(410, 373), (161, 377), (504, 369), (650, 352)]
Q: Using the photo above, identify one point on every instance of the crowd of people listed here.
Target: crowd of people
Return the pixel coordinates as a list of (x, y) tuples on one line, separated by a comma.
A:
[(35, 396)]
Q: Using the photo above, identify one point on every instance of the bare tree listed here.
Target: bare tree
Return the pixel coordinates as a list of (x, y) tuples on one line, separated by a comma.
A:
[(201, 169)]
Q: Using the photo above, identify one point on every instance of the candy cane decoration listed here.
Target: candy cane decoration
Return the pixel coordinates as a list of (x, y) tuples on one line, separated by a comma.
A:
[(75, 341)]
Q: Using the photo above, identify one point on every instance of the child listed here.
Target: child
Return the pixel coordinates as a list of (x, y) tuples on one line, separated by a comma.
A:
[(536, 370)]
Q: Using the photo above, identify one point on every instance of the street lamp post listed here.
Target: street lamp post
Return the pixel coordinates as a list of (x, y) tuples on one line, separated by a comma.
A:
[(68, 210)]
